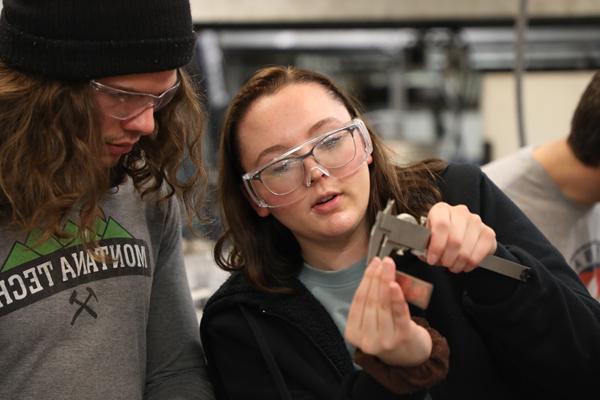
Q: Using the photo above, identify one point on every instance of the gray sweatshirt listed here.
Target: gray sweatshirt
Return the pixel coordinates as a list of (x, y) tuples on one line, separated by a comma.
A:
[(574, 229), (72, 327)]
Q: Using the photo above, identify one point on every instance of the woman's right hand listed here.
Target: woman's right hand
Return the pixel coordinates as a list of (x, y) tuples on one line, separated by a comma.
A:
[(379, 321)]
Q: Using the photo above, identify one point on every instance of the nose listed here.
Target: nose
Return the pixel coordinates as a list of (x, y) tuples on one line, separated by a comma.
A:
[(142, 123), (315, 171)]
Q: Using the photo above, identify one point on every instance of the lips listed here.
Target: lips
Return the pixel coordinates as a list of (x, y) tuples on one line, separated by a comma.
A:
[(120, 148), (325, 199)]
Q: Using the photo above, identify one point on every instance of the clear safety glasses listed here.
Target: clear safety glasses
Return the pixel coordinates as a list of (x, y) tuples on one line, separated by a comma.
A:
[(123, 104), (284, 180)]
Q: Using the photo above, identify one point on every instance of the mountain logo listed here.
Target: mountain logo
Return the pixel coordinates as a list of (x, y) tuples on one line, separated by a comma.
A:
[(34, 270), (31, 249)]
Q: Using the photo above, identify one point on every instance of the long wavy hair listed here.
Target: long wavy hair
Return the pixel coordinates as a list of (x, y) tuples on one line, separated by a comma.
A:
[(50, 147), (264, 249)]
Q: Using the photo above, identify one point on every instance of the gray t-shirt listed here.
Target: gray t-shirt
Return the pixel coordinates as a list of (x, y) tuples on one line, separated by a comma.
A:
[(335, 290), (72, 327), (572, 228)]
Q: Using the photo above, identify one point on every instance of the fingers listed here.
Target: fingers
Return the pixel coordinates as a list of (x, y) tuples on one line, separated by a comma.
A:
[(371, 311), (378, 313), (486, 245), (459, 239), (385, 318), (464, 253), (456, 231), (399, 307), (359, 302), (379, 321), (439, 223)]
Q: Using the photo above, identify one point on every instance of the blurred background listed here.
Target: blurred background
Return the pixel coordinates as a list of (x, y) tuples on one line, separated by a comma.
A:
[(464, 80)]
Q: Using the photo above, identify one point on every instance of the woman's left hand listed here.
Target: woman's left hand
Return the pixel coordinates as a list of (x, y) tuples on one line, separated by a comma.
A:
[(379, 321), (459, 239)]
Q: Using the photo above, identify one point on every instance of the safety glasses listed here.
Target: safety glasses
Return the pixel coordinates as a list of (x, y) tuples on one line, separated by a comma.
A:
[(123, 104), (284, 179)]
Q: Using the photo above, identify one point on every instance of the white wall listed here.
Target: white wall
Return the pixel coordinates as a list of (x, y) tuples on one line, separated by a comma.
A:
[(549, 99), (211, 11)]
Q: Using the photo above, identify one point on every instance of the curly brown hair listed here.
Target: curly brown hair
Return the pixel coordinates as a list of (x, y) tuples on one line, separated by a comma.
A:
[(50, 142), (263, 248)]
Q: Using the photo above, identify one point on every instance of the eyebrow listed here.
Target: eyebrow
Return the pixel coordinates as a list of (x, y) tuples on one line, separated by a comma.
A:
[(281, 148)]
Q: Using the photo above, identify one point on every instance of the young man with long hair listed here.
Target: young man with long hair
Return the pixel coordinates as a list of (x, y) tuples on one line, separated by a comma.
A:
[(96, 115)]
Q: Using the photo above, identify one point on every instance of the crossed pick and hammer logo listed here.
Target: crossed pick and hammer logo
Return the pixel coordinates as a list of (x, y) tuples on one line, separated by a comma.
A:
[(83, 305)]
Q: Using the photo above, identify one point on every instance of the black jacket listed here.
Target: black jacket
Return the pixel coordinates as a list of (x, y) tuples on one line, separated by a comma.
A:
[(508, 339)]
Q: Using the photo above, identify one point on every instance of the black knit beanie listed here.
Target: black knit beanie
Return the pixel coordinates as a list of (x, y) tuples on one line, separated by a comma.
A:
[(78, 40)]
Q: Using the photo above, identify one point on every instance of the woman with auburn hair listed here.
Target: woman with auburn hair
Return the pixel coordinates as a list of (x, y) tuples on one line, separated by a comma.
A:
[(305, 315)]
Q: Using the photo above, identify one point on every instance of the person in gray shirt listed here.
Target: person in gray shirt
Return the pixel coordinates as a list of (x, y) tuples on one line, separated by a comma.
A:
[(557, 185), (96, 116)]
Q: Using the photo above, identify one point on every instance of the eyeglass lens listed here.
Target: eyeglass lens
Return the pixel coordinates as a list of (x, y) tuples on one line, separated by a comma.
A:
[(125, 105), (336, 152), (333, 151)]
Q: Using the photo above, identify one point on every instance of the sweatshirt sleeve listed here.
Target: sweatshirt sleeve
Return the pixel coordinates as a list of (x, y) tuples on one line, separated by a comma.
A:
[(405, 380), (544, 330), (175, 361)]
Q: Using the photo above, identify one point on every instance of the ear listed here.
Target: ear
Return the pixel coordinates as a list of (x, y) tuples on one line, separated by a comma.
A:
[(369, 159), (261, 211)]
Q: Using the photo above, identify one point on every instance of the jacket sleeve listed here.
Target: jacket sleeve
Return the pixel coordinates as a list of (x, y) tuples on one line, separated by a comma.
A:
[(176, 368), (544, 331), (404, 380), (238, 367)]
